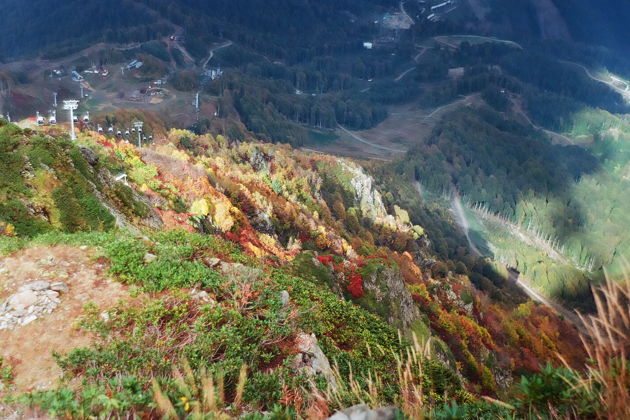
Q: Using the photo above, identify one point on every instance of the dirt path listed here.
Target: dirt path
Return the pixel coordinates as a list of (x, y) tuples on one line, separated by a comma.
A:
[(572, 316), (404, 73), (29, 348), (625, 94), (420, 54), (442, 39), (520, 281), (404, 12), (557, 137), (213, 50), (466, 100), (376, 146)]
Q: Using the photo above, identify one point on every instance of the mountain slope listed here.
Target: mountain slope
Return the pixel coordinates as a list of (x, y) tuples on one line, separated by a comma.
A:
[(237, 225)]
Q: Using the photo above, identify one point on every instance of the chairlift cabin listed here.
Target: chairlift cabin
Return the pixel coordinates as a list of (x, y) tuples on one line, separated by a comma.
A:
[(110, 129), (52, 119)]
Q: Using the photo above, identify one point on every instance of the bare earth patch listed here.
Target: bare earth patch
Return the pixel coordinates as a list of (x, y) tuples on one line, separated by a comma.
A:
[(29, 348)]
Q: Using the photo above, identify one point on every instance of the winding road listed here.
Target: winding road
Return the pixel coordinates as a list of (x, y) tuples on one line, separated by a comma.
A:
[(560, 138), (519, 280), (213, 50), (624, 93), (404, 73)]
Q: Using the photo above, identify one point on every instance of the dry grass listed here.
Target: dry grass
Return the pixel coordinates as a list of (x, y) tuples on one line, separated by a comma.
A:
[(203, 396), (409, 368), (608, 348)]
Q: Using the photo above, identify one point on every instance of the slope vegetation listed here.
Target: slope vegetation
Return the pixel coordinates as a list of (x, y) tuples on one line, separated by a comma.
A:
[(240, 258)]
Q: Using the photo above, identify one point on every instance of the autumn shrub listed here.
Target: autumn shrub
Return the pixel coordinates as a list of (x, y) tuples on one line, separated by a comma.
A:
[(130, 205), (355, 287)]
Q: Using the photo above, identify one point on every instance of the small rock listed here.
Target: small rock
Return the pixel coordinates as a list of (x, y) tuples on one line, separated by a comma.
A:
[(24, 299), (50, 260), (59, 287), (212, 262), (284, 298), (18, 313), (52, 293), (105, 316), (90, 155), (29, 319), (363, 412), (149, 258), (38, 286)]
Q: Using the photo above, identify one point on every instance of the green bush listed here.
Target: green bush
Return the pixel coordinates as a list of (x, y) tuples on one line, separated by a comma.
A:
[(177, 263)]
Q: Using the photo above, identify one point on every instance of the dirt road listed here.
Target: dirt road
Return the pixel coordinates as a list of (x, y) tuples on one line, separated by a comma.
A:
[(376, 146), (624, 93)]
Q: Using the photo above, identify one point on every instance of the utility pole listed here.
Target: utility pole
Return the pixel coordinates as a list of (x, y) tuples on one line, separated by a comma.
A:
[(81, 92), (55, 99), (138, 126), (71, 105)]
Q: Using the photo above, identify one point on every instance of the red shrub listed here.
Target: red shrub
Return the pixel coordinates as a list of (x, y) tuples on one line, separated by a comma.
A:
[(356, 285), (360, 263), (325, 259), (232, 237), (106, 143)]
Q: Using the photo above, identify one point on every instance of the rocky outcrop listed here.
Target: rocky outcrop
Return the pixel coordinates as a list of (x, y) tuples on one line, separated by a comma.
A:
[(32, 301), (370, 203), (311, 359), (387, 288), (105, 178), (368, 198)]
